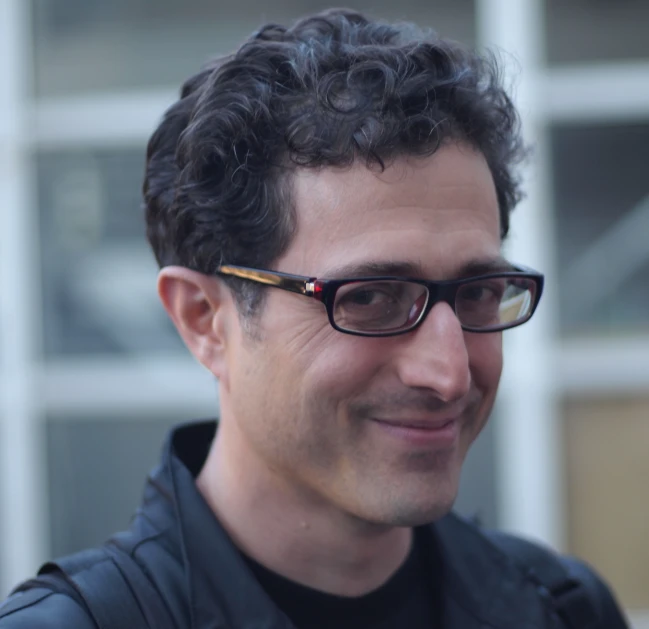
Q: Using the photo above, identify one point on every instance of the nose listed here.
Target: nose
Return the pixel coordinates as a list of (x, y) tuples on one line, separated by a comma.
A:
[(434, 356)]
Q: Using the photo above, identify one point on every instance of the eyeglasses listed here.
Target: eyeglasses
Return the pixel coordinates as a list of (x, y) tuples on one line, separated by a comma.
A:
[(387, 306)]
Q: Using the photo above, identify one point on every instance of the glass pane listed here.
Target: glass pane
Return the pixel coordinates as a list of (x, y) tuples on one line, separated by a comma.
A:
[(602, 219), (99, 276), (97, 472), (606, 444), (581, 31), (478, 497), (86, 45)]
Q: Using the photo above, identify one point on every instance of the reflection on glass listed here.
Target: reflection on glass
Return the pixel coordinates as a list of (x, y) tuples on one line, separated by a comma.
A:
[(94, 45), (99, 277), (589, 31), (97, 471), (602, 218)]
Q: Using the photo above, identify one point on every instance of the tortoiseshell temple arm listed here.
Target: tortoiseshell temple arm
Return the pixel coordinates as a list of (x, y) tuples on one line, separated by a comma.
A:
[(295, 283)]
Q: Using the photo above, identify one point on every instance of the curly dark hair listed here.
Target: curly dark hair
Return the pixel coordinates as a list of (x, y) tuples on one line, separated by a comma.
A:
[(334, 88)]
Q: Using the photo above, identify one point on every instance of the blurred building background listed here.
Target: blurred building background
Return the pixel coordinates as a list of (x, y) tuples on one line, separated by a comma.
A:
[(92, 373)]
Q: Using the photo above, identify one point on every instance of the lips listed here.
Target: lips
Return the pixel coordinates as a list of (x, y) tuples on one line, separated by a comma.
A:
[(428, 424), (437, 433)]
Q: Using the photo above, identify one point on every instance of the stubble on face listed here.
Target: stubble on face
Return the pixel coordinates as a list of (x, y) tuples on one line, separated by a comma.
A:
[(408, 486), (307, 394)]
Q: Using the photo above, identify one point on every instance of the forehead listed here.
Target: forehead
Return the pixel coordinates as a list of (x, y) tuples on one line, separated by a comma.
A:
[(438, 213)]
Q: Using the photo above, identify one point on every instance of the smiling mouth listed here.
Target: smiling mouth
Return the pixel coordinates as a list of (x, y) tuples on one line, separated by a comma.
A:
[(418, 425), (441, 433)]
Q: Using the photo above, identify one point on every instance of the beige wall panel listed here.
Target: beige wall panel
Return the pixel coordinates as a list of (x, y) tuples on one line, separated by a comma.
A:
[(607, 475)]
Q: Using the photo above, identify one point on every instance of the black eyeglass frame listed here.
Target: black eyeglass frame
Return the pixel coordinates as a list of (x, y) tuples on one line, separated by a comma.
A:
[(445, 290)]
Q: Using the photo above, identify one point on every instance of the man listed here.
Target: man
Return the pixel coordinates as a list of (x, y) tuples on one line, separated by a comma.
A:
[(328, 205)]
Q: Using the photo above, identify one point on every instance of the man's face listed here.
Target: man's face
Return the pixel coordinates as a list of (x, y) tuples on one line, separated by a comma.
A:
[(333, 415)]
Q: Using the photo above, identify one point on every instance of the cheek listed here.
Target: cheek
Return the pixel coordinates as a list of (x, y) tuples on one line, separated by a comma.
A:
[(292, 404), (485, 360), (341, 368), (297, 381)]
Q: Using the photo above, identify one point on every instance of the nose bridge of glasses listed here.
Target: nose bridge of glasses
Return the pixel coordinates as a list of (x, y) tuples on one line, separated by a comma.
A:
[(441, 291), (436, 292)]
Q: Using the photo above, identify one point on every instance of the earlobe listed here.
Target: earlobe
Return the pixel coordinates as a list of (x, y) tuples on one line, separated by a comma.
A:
[(196, 304)]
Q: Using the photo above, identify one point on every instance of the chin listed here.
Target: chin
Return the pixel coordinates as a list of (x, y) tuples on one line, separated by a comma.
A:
[(413, 513), (405, 499), (423, 514)]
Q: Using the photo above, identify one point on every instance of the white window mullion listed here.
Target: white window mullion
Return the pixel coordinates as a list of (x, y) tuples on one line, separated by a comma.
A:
[(605, 367), (527, 463), (100, 387), (598, 93), (23, 523), (102, 119)]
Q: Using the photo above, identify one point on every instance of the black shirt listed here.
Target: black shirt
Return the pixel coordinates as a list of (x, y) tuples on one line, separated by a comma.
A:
[(407, 599)]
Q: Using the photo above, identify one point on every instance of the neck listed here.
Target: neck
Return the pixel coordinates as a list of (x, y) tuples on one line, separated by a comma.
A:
[(291, 530)]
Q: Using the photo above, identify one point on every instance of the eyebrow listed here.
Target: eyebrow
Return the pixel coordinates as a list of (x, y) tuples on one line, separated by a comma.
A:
[(377, 268), (484, 266), (372, 268)]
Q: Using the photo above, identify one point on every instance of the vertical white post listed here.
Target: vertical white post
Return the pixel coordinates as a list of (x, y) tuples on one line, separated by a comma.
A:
[(22, 495), (527, 432)]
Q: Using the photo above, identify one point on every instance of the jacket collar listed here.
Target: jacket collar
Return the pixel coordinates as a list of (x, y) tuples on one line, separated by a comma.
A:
[(222, 591), (482, 588)]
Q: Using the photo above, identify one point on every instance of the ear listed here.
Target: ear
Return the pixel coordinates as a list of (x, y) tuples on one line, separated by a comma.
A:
[(201, 308)]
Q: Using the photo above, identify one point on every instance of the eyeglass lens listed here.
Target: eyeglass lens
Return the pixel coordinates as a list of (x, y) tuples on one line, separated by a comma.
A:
[(395, 305)]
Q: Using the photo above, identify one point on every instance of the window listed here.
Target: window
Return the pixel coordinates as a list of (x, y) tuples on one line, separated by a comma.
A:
[(97, 472), (602, 219), (477, 496), (93, 45), (99, 275), (588, 31)]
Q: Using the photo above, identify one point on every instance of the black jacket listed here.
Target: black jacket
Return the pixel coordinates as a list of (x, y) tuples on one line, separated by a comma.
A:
[(206, 584)]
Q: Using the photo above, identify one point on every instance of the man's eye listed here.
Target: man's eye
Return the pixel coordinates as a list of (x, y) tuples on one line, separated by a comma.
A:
[(367, 297), (478, 293), (483, 293)]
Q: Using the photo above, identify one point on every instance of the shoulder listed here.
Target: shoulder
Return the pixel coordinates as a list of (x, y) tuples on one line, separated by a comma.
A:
[(566, 578), (563, 577), (41, 608), (600, 592)]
